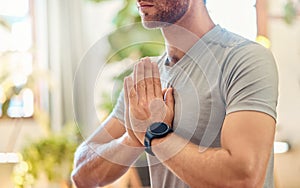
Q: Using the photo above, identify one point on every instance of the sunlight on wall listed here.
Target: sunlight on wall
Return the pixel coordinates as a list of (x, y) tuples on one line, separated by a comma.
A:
[(14, 7), (98, 18), (235, 15), (10, 157)]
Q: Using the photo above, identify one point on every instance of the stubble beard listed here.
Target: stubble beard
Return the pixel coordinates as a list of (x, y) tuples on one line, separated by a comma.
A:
[(166, 16)]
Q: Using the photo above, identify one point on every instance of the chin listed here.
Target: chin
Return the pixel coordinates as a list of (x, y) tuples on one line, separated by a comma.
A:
[(155, 24)]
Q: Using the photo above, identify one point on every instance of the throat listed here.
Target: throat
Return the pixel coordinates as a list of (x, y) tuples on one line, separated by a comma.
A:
[(174, 55), (171, 61)]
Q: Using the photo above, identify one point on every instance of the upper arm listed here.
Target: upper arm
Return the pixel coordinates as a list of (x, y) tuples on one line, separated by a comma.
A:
[(250, 80), (250, 87), (250, 84), (248, 136), (251, 92)]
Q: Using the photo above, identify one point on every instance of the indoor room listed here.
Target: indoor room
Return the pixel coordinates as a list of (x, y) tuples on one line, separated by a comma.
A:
[(62, 69)]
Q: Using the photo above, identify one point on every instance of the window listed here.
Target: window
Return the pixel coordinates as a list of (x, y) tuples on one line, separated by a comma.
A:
[(16, 59)]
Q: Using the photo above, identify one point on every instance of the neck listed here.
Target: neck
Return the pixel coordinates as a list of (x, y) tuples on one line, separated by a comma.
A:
[(182, 35)]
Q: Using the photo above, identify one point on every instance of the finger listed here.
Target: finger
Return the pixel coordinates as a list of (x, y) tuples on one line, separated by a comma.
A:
[(134, 75), (156, 80), (164, 92), (132, 95), (149, 79), (125, 92), (126, 99), (140, 82), (169, 98)]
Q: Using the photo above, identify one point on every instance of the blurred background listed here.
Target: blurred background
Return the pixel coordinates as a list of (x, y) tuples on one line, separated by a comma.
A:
[(43, 44)]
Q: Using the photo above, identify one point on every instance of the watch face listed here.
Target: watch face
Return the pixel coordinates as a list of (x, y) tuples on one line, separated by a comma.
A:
[(159, 128)]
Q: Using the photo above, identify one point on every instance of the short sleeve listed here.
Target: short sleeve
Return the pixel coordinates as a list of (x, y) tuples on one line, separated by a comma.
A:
[(118, 111), (250, 80)]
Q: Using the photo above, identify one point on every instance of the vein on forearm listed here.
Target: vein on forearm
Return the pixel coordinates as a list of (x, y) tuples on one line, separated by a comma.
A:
[(214, 167), (106, 161)]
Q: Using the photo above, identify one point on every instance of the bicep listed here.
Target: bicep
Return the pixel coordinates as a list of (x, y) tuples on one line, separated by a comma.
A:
[(249, 137)]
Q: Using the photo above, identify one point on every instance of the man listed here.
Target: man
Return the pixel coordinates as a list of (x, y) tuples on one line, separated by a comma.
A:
[(212, 126)]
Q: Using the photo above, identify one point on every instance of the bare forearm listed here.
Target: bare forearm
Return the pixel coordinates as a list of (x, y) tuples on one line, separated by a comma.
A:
[(214, 167), (99, 165)]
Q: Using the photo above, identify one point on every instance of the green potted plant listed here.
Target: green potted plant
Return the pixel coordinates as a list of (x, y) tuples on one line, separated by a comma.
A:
[(51, 156)]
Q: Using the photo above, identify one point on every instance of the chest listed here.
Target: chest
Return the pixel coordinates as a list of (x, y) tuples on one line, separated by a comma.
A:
[(199, 108)]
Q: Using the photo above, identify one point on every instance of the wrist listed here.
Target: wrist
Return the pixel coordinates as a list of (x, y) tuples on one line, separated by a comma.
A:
[(161, 146), (167, 147), (155, 134), (140, 136), (158, 141)]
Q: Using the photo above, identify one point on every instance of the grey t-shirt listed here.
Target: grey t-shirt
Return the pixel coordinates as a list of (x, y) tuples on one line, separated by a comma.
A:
[(222, 73)]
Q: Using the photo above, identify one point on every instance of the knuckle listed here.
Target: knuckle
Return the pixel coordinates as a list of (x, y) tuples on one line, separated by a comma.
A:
[(149, 82), (157, 81), (141, 84), (140, 63)]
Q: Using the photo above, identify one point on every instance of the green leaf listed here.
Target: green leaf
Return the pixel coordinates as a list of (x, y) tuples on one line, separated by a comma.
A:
[(290, 12)]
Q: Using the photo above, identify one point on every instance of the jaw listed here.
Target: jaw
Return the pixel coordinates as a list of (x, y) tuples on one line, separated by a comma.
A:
[(163, 14)]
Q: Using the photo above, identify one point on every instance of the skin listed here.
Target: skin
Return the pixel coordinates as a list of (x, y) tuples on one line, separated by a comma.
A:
[(246, 138), (262, 17), (165, 13)]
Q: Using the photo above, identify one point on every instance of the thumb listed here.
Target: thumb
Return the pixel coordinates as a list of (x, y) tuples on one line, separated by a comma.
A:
[(164, 92), (169, 98)]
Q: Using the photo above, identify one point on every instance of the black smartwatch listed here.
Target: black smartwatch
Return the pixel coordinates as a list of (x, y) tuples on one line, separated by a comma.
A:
[(156, 130)]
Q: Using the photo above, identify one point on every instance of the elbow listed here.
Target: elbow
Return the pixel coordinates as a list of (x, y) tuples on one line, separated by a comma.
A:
[(249, 177), (77, 179), (80, 176), (246, 172), (87, 168), (247, 183), (83, 176)]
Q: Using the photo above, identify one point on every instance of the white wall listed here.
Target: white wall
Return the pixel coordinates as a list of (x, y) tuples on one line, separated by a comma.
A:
[(286, 49), (231, 14)]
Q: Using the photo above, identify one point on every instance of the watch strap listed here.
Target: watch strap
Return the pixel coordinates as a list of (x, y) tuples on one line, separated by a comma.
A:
[(147, 144), (149, 137)]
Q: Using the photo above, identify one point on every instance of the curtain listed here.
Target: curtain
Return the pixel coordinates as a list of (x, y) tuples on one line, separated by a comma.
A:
[(65, 48)]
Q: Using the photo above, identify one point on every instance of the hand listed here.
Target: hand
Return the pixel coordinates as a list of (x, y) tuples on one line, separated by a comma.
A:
[(131, 136), (145, 98)]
